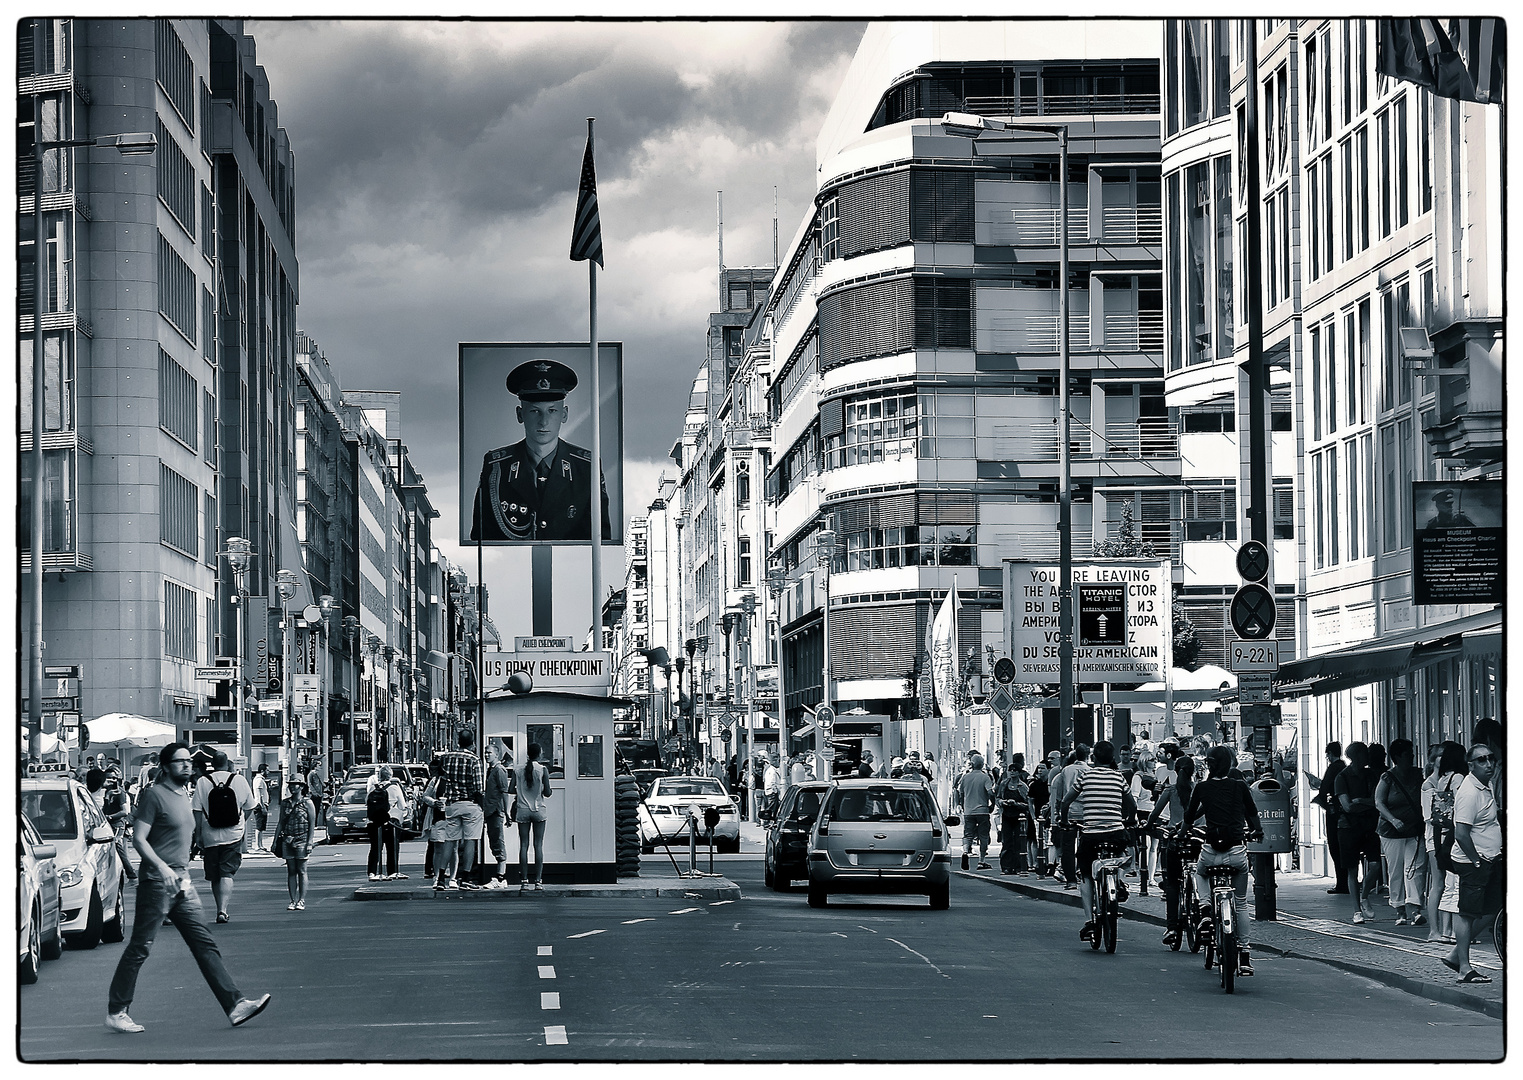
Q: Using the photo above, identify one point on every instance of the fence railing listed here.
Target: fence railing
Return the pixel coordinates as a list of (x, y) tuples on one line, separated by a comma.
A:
[(1060, 104), (1136, 331), (1132, 224), (1037, 226), (1148, 437)]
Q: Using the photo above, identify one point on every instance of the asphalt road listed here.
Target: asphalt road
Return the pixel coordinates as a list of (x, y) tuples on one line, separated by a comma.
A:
[(998, 977)]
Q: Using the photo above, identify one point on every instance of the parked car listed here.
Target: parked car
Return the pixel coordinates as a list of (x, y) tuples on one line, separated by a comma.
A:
[(644, 778), (91, 879), (788, 837), (880, 836), (40, 905), (663, 816), (346, 815)]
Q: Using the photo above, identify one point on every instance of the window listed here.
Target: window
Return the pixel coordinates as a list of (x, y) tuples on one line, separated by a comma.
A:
[(173, 70), (58, 503), (58, 263), (1348, 69), (830, 231), (1211, 513), (874, 213), (1314, 100), (1351, 482), (876, 319), (1176, 257), (1195, 85), (877, 549), (1221, 68), (742, 483), (1320, 509), (178, 506), (743, 560), (208, 326), (1314, 182), (1194, 421), (206, 119), (1226, 342), (872, 429), (1367, 464), (949, 545), (209, 528), (1361, 65), (1316, 382), (179, 621), (1271, 227), (177, 400), (1332, 505), (1171, 67), (1350, 377), (941, 206), (1383, 148), (946, 424), (177, 179), (944, 314), (57, 383), (1425, 150), (177, 290), (1390, 471), (1284, 510), (1404, 484), (208, 224), (1282, 119), (1398, 180), (740, 296), (1330, 343), (212, 649), (1197, 262)]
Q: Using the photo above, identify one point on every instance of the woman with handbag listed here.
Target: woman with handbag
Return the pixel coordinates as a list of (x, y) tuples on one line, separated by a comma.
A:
[(1400, 828), (298, 819), (531, 791), (1438, 814)]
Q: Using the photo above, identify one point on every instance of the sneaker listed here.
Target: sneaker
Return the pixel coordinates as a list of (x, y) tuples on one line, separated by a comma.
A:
[(1244, 965), (539, 886), (247, 1009), (1369, 908), (497, 884), (1205, 927), (983, 866), (1401, 920), (123, 1023), (469, 886), (291, 906), (1358, 918), (1171, 938), (965, 862), (523, 888), (398, 877), (375, 877), (442, 884), (1087, 932), (1419, 919), (301, 905), (222, 917), (1070, 886)]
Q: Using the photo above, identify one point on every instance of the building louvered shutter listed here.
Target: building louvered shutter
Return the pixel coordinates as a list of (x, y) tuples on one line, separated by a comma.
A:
[(874, 213), (873, 642)]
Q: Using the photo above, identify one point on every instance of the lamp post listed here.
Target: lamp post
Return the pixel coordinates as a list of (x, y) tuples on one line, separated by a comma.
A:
[(326, 603), (727, 623), (971, 126), (352, 651), (373, 647), (129, 145), (389, 654), (701, 721), (238, 554), (777, 581), (405, 688), (825, 542), (285, 583), (748, 610)]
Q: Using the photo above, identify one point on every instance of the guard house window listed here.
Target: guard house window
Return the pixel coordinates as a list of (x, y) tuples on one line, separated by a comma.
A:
[(743, 560), (551, 740), (1211, 513)]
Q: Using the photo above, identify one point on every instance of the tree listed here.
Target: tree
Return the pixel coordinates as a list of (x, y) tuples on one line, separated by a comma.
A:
[(1186, 641)]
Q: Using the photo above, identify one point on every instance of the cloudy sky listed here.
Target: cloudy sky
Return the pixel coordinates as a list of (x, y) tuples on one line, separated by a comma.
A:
[(437, 165)]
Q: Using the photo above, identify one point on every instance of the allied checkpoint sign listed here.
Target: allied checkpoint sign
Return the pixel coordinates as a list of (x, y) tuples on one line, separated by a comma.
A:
[(502, 501), (1123, 629)]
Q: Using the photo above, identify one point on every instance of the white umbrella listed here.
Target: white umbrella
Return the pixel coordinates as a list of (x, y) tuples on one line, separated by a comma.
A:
[(126, 729), (51, 744)]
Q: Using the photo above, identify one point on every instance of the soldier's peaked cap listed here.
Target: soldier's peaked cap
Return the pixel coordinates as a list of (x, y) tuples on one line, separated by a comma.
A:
[(541, 380)]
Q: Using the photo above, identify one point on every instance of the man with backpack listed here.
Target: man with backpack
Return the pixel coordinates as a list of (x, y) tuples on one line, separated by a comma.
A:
[(383, 805), (220, 801)]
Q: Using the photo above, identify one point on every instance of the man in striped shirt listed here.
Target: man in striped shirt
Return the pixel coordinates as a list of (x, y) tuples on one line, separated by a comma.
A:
[(1100, 820)]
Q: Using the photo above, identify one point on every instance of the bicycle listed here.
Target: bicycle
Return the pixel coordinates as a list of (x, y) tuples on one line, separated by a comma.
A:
[(1190, 907), (1221, 948), (1499, 935), (1106, 875)]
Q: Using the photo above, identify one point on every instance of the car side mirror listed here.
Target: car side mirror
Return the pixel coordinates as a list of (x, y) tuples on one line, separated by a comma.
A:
[(44, 851), (102, 834), (952, 819)]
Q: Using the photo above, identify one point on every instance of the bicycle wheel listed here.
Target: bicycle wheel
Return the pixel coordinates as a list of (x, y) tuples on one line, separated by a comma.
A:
[(1095, 917), (1109, 924), (1499, 935), (1191, 908), (1228, 948)]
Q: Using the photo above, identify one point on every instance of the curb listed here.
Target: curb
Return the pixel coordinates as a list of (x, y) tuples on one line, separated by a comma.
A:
[(711, 889), (1423, 988)]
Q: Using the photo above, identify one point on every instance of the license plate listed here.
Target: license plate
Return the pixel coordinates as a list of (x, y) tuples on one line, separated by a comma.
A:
[(879, 858)]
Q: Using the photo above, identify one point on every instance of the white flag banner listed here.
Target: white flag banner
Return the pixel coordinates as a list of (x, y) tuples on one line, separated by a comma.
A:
[(943, 648)]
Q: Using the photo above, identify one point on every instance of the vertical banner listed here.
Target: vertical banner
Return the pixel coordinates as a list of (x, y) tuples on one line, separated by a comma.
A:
[(525, 430), (1458, 542), (943, 650)]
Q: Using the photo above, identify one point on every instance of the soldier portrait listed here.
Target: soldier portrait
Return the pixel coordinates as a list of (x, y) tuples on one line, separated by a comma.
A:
[(538, 488)]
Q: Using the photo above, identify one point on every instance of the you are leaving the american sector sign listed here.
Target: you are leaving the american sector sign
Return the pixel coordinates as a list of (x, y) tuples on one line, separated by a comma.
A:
[(1122, 626)]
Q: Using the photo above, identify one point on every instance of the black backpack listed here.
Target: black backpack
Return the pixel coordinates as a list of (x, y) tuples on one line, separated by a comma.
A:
[(222, 805), (378, 804)]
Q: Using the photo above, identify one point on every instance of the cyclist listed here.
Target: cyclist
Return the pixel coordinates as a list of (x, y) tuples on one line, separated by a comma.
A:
[(1170, 806), (1227, 806), (1100, 824)]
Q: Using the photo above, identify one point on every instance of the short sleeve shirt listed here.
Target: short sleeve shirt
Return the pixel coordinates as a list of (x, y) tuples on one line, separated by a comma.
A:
[(1476, 806), (977, 791), (1099, 792), (241, 791), (462, 776), (164, 816)]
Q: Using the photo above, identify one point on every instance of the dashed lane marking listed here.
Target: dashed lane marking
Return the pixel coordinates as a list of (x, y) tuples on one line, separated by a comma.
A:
[(547, 972), (555, 1036), (721, 903), (869, 929), (546, 950), (549, 1001), (922, 956), (837, 933), (631, 922), (682, 911), (588, 933)]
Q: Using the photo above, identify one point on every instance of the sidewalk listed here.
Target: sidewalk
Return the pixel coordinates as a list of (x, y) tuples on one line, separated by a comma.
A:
[(1310, 925)]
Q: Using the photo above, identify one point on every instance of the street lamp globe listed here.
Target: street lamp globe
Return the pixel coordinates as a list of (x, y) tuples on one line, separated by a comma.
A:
[(286, 582)]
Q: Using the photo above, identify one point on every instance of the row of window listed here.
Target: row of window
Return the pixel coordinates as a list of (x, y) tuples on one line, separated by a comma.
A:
[(172, 68), (177, 290), (1340, 357), (1200, 264), (1007, 90), (1345, 526), (907, 545), (1198, 68), (882, 318)]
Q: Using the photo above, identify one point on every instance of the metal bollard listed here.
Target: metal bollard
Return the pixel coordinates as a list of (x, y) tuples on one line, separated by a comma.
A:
[(692, 844)]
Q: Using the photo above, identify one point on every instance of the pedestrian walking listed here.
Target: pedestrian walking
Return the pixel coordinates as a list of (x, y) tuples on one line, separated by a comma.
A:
[(259, 813), (531, 790), (1065, 833), (383, 806), (1478, 860), (221, 800), (1356, 829), (164, 823), (460, 792), (977, 794), (1438, 814), (494, 808), (772, 788), (1013, 797), (298, 825), (1398, 801)]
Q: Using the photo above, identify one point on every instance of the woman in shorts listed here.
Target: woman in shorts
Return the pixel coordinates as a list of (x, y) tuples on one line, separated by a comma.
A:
[(298, 820)]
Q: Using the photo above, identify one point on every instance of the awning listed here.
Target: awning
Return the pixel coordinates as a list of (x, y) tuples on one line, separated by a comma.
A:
[(1359, 667)]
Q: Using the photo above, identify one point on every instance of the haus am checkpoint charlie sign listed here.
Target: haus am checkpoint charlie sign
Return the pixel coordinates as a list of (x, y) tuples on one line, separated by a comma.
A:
[(1123, 629)]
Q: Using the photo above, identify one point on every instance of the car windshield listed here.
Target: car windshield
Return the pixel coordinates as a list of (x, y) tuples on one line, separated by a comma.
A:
[(693, 786), (881, 804), (352, 795), (52, 814)]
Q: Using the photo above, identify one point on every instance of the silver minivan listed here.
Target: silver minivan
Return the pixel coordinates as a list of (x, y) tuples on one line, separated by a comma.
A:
[(880, 836)]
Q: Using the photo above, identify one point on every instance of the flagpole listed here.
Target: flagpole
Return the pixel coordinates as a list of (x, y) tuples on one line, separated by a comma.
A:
[(596, 486)]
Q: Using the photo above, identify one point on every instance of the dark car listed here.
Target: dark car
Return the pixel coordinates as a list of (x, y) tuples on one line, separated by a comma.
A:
[(347, 816), (788, 838)]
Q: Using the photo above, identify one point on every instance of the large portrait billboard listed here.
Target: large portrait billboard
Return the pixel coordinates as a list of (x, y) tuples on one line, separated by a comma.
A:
[(1457, 542), (526, 469)]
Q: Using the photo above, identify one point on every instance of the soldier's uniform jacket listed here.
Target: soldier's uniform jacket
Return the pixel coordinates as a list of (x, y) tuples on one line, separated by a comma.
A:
[(514, 502)]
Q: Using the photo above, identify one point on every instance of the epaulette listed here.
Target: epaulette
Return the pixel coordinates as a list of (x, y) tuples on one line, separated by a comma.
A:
[(502, 453), (579, 453)]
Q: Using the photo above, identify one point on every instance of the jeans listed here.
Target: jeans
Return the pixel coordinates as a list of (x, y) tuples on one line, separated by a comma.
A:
[(496, 834), (155, 898), (1237, 858), (382, 834), (1066, 842), (1173, 881), (975, 827), (537, 828), (1012, 855), (1407, 861)]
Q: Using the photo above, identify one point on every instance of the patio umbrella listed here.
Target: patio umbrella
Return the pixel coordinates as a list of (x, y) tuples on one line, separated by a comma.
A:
[(115, 730)]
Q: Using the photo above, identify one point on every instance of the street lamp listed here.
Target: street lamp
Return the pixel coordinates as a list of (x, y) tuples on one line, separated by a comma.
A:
[(373, 646), (134, 143), (972, 126), (777, 581), (404, 685), (286, 583), (326, 603), (389, 654), (748, 611), (238, 554), (352, 651), (825, 542)]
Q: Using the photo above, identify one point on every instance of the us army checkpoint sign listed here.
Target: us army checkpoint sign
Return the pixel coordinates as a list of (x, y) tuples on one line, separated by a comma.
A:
[(1123, 631)]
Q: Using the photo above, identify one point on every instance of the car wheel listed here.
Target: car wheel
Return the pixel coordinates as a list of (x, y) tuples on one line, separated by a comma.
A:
[(89, 937), (52, 947), (31, 962), (730, 846), (769, 879), (646, 847), (816, 893), (941, 896), (115, 928)]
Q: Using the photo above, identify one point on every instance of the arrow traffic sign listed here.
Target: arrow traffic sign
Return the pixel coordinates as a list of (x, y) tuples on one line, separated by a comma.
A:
[(1253, 561), (1252, 612)]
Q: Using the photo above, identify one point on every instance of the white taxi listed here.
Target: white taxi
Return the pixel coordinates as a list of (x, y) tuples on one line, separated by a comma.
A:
[(672, 800), (91, 878)]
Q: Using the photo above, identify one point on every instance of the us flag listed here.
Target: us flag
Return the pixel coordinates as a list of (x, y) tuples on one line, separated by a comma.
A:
[(587, 233)]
